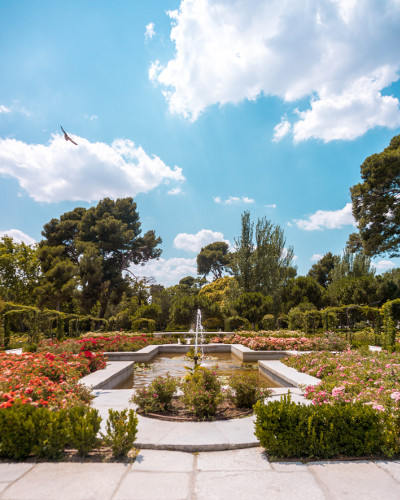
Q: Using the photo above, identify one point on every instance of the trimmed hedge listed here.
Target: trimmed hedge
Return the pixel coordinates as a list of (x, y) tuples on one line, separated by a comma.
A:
[(26, 431), (289, 430)]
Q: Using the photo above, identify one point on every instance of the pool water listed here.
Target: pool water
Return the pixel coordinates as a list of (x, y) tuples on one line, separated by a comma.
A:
[(223, 363)]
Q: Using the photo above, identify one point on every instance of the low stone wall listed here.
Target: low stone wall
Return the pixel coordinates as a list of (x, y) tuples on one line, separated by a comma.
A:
[(120, 364)]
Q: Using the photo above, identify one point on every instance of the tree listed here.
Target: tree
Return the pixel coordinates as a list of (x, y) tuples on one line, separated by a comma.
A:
[(303, 289), (19, 271), (376, 202), (103, 241), (214, 258), (261, 261), (253, 306), (321, 270)]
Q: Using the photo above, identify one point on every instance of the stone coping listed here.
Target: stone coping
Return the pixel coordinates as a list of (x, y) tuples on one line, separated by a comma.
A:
[(120, 364)]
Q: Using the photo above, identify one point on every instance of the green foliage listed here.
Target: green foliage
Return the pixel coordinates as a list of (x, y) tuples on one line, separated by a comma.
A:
[(143, 325), (51, 432), (375, 202), (157, 397), (289, 430), (261, 261), (213, 258), (17, 431), (210, 324), (26, 430), (236, 323), (312, 320), (303, 289), (202, 392), (389, 325), (268, 322), (321, 270), (102, 242), (253, 306), (121, 427), (19, 271), (84, 426), (244, 391)]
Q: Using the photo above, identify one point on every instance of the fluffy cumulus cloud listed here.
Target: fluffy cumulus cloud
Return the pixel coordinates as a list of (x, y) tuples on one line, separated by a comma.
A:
[(327, 219), (195, 242), (4, 109), (167, 272), (18, 236), (90, 171), (383, 265), (233, 200), (339, 54)]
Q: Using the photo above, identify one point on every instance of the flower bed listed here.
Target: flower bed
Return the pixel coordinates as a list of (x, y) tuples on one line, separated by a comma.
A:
[(46, 379), (104, 343), (257, 343), (372, 378)]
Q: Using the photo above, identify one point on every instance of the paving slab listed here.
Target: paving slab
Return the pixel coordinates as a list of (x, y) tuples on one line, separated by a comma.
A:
[(154, 486), (248, 459), (163, 461), (67, 481), (257, 486), (393, 468), (12, 471), (343, 479)]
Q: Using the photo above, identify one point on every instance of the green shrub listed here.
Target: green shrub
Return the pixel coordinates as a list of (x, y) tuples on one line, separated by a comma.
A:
[(173, 327), (145, 325), (213, 323), (121, 430), (26, 430), (244, 391), (17, 431), (52, 432), (157, 397), (268, 322), (236, 323), (289, 430), (84, 425), (202, 392)]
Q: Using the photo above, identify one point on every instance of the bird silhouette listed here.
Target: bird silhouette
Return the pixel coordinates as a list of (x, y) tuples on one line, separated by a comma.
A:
[(67, 137)]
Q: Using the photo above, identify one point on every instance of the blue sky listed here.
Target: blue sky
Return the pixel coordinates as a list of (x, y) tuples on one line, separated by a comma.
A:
[(199, 109)]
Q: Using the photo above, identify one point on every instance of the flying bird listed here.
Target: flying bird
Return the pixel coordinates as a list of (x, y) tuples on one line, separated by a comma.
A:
[(67, 137)]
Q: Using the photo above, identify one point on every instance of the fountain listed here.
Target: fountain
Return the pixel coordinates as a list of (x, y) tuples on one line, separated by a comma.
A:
[(199, 330)]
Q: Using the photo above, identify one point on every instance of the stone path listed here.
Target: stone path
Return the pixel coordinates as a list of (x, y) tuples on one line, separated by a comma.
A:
[(174, 475)]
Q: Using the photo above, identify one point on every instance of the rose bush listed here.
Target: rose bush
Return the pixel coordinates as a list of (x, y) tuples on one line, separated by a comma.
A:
[(46, 379), (372, 378)]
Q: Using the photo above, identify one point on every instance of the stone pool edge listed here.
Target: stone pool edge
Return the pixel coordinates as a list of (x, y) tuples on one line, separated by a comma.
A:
[(120, 364)]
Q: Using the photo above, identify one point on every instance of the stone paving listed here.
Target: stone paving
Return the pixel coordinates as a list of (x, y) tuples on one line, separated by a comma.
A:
[(174, 475)]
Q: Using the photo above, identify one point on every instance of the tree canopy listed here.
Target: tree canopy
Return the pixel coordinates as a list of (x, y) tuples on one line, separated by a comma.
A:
[(261, 261), (376, 203), (102, 241), (213, 258)]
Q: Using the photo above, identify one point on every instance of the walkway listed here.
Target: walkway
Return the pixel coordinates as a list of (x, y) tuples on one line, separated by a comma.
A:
[(174, 475), (186, 436)]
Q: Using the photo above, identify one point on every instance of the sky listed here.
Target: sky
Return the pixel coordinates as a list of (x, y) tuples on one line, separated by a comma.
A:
[(200, 110)]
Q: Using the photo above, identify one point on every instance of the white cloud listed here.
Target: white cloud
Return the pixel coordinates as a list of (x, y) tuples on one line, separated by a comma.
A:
[(383, 265), (334, 219), (150, 31), (90, 117), (340, 54), (175, 191), (282, 129), (90, 171), (233, 200), (195, 242), (167, 272), (4, 109), (18, 236), (273, 205), (316, 257)]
